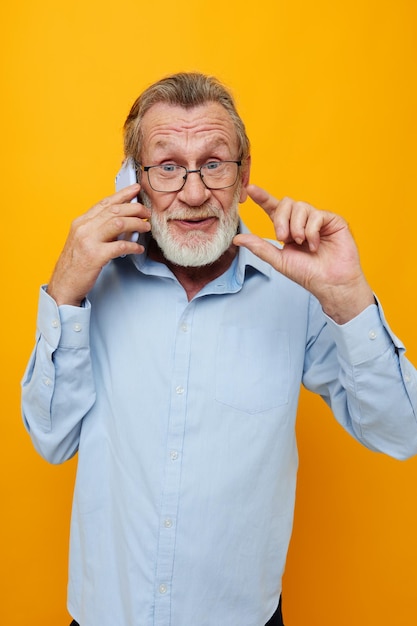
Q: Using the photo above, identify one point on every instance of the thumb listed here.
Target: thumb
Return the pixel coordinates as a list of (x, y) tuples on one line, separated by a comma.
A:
[(265, 250)]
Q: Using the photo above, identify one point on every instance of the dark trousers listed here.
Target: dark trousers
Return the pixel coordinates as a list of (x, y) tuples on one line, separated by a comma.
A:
[(276, 619)]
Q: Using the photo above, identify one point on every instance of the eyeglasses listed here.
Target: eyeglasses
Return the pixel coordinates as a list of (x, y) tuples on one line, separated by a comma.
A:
[(168, 178)]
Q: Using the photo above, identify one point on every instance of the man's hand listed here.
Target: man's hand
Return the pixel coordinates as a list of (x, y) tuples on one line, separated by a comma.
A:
[(93, 241), (319, 253)]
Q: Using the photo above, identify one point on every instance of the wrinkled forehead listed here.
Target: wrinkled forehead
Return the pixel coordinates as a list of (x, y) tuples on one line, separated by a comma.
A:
[(167, 126)]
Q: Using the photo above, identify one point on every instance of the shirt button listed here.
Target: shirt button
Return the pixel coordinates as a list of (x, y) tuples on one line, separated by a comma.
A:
[(372, 334), (55, 323), (174, 455), (47, 382), (163, 588), (77, 328), (168, 523), (179, 390), (184, 328)]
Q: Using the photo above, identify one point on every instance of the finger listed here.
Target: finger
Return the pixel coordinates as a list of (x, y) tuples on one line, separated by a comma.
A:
[(282, 222), (111, 219), (313, 229), (122, 226), (261, 248), (279, 211), (124, 196), (131, 209), (123, 247), (298, 222), (263, 198), (133, 229)]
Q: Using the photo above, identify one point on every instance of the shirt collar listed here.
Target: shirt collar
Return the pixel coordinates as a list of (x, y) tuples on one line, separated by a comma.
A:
[(246, 258)]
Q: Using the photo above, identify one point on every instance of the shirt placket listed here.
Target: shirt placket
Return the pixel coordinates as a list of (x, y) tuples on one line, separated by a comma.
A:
[(173, 465)]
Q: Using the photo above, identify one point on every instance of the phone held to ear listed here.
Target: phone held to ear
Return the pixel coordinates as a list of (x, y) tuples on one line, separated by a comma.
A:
[(125, 177)]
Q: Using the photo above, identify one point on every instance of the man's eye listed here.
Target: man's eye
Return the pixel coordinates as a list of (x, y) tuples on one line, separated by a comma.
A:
[(168, 168), (213, 165)]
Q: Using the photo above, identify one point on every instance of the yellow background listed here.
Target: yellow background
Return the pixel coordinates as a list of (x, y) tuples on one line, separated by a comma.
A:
[(328, 93)]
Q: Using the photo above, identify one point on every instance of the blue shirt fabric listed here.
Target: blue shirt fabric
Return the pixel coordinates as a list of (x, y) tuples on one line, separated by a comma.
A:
[(183, 414)]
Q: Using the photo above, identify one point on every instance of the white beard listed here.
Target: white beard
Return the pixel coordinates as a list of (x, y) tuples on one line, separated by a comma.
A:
[(195, 248)]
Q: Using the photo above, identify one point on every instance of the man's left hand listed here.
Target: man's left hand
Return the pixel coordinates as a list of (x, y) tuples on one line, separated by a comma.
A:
[(319, 253)]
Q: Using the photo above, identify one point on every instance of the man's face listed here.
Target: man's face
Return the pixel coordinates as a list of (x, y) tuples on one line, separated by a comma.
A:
[(196, 225)]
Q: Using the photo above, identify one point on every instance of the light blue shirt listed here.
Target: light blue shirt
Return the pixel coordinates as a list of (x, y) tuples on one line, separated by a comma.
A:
[(183, 414)]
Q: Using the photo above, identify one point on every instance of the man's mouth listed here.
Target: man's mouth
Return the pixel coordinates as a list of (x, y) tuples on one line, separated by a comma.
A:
[(198, 219), (194, 220)]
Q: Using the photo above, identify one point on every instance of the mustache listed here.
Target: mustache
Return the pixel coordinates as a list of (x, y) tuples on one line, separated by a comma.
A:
[(184, 213), (188, 214)]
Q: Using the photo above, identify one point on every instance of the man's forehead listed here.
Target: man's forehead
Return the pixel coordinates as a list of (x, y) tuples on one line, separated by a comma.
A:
[(164, 122)]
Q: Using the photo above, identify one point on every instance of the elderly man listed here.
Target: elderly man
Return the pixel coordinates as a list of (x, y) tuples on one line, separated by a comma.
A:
[(172, 363)]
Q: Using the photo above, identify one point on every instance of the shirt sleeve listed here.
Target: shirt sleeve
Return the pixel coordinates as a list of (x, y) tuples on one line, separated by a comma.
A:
[(374, 396), (59, 369)]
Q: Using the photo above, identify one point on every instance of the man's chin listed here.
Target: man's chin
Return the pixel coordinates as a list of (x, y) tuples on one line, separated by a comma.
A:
[(190, 257), (197, 251)]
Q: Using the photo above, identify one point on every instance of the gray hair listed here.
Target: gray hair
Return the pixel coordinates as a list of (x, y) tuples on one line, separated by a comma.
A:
[(186, 89)]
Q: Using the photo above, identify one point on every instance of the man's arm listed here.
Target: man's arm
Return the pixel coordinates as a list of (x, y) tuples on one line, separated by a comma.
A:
[(58, 387), (360, 370), (354, 361)]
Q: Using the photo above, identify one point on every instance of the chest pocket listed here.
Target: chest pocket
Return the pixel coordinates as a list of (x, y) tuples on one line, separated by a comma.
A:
[(252, 373)]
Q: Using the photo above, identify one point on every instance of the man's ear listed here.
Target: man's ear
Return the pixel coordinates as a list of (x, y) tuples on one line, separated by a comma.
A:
[(245, 179)]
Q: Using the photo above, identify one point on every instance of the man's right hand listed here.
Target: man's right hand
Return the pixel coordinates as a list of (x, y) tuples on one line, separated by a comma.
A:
[(93, 241)]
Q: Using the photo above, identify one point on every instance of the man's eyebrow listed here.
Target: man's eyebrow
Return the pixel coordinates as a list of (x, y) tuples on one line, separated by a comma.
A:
[(162, 143), (211, 144), (219, 141)]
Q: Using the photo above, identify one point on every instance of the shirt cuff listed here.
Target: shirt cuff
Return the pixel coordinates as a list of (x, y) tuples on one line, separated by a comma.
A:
[(64, 326), (364, 338)]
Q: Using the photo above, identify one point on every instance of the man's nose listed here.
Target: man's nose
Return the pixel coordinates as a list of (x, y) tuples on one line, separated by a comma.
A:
[(194, 192)]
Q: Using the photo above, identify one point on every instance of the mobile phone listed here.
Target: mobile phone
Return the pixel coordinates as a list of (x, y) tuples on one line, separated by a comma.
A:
[(127, 176)]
